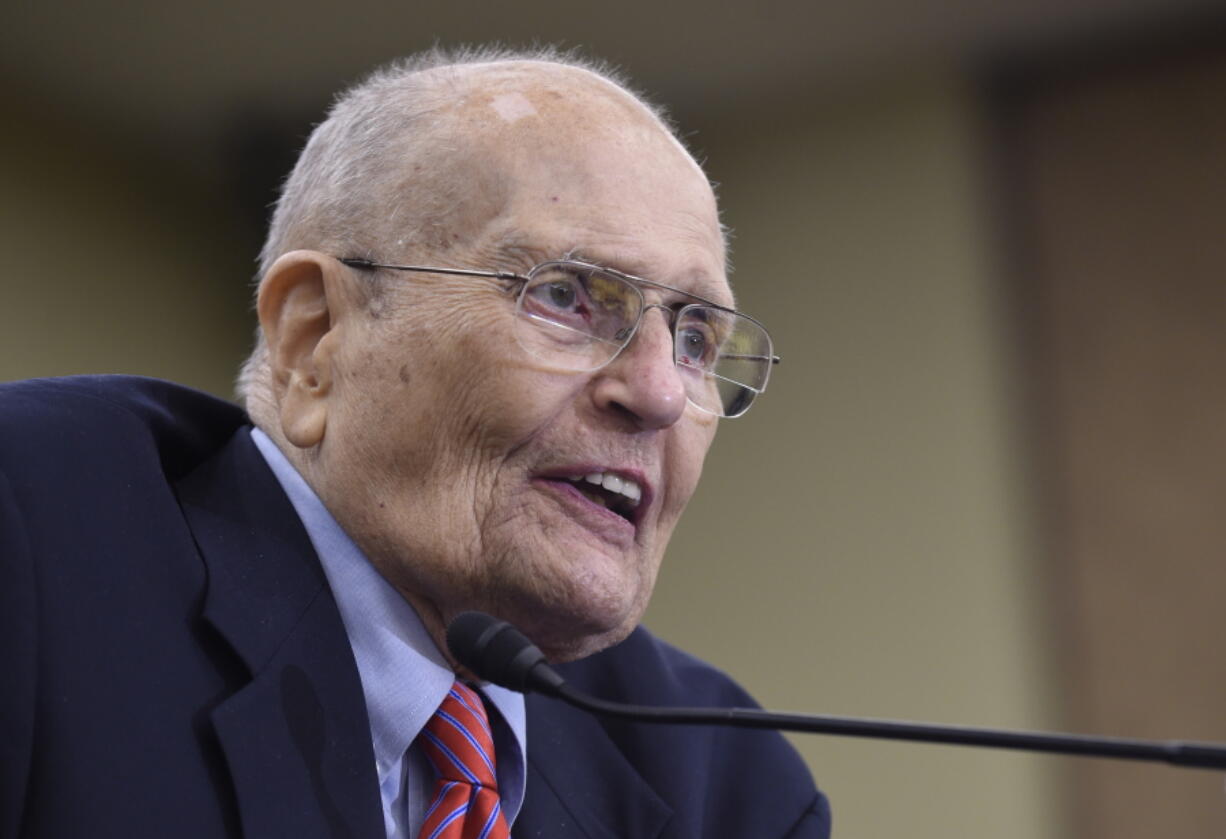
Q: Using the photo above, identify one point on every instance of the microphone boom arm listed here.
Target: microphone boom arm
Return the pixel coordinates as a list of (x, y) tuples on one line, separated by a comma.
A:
[(1175, 752), (498, 652)]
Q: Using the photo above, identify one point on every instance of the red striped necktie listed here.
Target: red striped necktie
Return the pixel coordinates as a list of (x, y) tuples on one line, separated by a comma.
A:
[(459, 745)]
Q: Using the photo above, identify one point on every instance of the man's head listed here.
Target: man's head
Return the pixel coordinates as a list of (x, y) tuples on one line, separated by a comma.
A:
[(453, 458)]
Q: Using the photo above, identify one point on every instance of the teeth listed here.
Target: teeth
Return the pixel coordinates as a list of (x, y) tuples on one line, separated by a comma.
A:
[(618, 484)]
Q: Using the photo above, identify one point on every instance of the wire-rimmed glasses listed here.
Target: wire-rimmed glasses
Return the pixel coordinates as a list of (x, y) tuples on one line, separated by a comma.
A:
[(576, 316)]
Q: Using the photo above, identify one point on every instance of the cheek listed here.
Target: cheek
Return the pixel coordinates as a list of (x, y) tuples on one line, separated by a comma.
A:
[(685, 457), (503, 398), (460, 407), (401, 390)]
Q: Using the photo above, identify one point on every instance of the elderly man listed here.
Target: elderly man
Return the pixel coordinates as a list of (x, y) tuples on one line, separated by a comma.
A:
[(496, 341)]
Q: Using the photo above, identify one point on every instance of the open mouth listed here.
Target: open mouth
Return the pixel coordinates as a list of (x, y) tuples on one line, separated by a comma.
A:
[(612, 492)]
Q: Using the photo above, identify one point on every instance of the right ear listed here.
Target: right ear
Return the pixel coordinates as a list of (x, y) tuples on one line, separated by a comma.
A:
[(301, 305)]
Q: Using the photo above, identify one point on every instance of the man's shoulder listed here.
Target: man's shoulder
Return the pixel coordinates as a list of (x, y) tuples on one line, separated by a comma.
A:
[(60, 418), (645, 669), (89, 400), (730, 782)]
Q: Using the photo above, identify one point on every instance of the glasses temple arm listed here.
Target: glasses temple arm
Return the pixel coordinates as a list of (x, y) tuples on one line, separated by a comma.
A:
[(773, 359), (370, 265)]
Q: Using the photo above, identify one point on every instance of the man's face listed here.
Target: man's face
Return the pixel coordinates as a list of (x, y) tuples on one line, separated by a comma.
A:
[(455, 459)]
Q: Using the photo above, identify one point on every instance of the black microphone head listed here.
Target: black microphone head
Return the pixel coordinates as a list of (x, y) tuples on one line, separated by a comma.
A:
[(498, 652)]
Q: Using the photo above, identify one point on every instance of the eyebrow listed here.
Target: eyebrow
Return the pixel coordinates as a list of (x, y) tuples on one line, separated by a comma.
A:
[(514, 250), (614, 261)]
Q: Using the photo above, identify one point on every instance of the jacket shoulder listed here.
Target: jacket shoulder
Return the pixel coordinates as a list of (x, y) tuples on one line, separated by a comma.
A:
[(644, 669), (47, 420), (731, 782)]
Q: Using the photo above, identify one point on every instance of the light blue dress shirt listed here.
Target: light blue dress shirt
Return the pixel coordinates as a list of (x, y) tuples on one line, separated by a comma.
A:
[(404, 676)]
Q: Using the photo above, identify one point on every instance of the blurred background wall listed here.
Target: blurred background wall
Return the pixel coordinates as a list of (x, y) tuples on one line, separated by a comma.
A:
[(985, 485)]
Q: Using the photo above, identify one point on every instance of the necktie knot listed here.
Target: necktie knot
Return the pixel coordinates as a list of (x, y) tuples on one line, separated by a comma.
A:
[(457, 739), (459, 745)]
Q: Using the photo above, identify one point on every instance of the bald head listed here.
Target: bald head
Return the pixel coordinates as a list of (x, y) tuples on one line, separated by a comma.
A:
[(397, 149), (527, 136), (425, 152)]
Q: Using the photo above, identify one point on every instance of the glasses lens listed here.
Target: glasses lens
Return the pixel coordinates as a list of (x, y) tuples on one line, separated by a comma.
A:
[(574, 316), (725, 358)]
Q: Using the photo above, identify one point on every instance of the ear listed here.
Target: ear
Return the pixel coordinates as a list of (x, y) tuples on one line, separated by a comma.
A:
[(301, 303)]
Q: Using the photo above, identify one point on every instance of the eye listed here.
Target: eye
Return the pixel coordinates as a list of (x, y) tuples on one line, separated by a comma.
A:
[(695, 346), (561, 294), (587, 301)]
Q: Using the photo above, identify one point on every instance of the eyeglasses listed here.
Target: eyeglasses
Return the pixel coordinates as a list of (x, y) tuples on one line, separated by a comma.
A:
[(578, 317)]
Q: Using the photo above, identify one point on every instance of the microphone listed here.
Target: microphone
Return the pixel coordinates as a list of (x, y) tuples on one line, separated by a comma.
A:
[(497, 652)]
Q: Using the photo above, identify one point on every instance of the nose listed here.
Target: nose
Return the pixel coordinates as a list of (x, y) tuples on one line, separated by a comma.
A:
[(643, 382)]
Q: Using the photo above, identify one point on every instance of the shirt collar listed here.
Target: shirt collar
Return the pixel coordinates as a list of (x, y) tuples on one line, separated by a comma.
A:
[(404, 676)]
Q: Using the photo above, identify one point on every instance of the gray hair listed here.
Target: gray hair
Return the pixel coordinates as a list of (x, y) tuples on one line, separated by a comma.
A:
[(343, 188)]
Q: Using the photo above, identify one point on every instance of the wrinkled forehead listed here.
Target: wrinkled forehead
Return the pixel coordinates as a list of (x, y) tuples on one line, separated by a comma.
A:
[(514, 91), (522, 125), (539, 107)]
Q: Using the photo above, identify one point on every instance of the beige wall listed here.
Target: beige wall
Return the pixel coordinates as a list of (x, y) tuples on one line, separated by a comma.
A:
[(860, 544), (112, 263)]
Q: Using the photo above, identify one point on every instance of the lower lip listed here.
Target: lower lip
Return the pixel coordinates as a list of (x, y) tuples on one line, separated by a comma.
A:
[(604, 522)]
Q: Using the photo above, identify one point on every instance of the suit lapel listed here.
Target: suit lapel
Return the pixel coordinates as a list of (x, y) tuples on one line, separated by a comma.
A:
[(296, 738), (579, 783)]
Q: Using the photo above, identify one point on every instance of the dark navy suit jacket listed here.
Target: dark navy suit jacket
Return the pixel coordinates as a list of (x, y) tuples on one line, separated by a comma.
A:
[(173, 662)]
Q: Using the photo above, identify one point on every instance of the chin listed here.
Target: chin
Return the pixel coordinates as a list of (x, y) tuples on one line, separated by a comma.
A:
[(581, 646), (567, 633), (569, 610)]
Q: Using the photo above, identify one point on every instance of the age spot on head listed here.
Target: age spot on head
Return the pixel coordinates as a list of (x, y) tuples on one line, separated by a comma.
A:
[(512, 107)]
